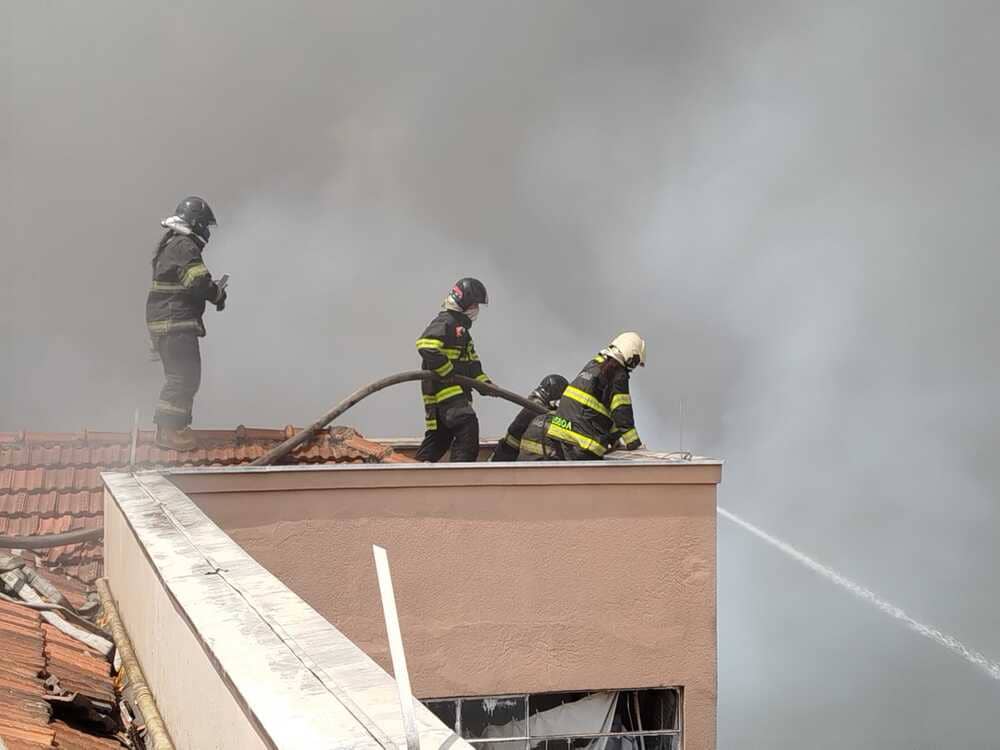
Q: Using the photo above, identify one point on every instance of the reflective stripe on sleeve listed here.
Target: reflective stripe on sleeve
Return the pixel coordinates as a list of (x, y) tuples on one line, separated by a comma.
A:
[(444, 369), (620, 399), (632, 436), (483, 377), (431, 424), (582, 397), (193, 272), (429, 343), (512, 441)]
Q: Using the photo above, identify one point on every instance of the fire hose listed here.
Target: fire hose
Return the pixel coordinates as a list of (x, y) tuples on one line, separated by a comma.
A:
[(302, 436), (51, 540)]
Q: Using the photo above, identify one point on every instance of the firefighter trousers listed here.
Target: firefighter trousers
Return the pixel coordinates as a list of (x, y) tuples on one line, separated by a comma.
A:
[(576, 453), (181, 357), (457, 429)]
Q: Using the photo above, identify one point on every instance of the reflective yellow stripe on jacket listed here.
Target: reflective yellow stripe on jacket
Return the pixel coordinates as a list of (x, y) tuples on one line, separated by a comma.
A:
[(630, 437), (620, 399), (532, 446), (168, 286), (569, 436), (512, 441), (161, 327), (582, 397), (443, 395), (451, 352), (193, 272)]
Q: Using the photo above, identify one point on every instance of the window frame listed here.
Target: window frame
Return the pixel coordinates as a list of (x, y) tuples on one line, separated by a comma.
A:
[(528, 738)]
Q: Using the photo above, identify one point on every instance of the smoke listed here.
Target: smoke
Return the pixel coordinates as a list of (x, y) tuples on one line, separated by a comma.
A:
[(791, 202)]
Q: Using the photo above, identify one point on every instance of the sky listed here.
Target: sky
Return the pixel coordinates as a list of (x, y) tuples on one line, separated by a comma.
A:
[(792, 203)]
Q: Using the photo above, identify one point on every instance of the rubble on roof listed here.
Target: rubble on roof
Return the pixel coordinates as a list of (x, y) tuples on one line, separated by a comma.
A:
[(51, 482), (49, 679)]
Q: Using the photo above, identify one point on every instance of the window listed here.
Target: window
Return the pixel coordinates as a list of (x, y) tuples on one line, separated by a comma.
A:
[(596, 720)]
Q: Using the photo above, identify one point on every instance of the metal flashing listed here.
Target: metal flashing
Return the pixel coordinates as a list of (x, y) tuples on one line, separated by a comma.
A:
[(299, 680)]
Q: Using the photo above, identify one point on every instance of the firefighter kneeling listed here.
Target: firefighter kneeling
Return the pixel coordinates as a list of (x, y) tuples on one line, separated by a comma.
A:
[(547, 394), (595, 411)]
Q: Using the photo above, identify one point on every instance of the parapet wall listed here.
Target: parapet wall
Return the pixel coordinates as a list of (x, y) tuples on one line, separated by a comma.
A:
[(509, 578), (236, 660)]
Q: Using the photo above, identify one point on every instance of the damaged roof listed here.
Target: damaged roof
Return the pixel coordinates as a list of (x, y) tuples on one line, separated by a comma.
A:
[(42, 665), (51, 482)]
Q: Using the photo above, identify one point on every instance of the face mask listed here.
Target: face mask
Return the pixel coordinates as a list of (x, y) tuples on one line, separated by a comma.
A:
[(472, 313)]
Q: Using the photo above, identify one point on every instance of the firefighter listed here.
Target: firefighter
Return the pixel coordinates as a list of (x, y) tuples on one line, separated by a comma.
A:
[(595, 412), (174, 308), (446, 349), (536, 445), (547, 394)]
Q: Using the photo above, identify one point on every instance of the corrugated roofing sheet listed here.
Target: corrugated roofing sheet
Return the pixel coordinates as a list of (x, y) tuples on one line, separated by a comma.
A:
[(51, 483)]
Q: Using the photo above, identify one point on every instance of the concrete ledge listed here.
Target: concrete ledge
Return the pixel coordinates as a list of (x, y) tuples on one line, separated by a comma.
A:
[(235, 659), (388, 476)]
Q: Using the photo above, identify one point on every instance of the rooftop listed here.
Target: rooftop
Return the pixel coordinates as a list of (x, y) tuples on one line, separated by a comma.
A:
[(50, 482)]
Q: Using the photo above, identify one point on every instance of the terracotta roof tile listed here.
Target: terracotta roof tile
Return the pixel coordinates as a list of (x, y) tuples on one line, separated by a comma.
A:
[(68, 738), (50, 482), (33, 650), (24, 713), (78, 668)]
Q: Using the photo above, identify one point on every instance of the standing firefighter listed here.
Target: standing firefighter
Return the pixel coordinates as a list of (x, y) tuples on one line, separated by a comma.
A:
[(596, 409), (446, 349), (547, 394), (174, 308)]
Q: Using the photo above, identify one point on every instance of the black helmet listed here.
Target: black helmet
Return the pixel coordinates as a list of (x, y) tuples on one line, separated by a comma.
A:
[(468, 292), (551, 389), (195, 212)]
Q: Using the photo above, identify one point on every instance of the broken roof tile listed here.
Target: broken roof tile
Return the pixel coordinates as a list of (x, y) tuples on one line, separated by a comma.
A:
[(24, 713), (34, 651), (68, 738)]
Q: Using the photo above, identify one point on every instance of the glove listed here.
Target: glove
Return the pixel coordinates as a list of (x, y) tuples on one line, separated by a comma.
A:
[(219, 297)]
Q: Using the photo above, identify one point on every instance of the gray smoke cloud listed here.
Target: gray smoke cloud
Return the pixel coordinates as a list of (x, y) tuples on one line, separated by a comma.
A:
[(791, 202)]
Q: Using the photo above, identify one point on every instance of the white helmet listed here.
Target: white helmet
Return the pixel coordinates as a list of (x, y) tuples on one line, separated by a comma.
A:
[(628, 349)]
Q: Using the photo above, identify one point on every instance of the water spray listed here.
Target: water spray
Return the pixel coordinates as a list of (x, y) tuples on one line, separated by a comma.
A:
[(952, 644)]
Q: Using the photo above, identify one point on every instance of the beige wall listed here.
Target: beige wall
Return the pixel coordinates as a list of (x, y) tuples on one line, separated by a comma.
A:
[(543, 578), (182, 678)]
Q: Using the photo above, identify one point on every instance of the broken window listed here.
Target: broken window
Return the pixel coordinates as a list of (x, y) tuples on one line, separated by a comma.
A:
[(592, 720), (494, 718)]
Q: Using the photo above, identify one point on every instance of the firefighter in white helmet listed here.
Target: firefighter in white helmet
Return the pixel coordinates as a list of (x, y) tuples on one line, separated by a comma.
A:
[(595, 412)]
